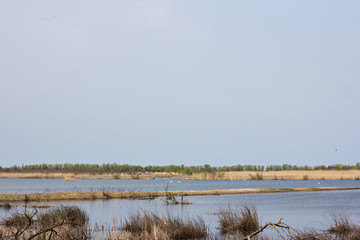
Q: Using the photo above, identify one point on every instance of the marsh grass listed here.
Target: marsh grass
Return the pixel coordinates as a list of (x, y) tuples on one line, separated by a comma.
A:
[(6, 206), (172, 199), (295, 174), (339, 228), (214, 175), (340, 224), (37, 206), (257, 176), (149, 225), (109, 193), (106, 194), (342, 227), (242, 220), (286, 189), (58, 223)]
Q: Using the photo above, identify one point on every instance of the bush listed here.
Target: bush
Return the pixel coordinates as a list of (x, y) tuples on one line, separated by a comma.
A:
[(65, 222)]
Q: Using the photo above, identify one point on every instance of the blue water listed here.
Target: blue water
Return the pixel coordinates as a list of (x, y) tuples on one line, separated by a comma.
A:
[(20, 185), (298, 209)]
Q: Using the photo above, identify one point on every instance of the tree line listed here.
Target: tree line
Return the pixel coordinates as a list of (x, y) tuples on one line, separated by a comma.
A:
[(188, 170)]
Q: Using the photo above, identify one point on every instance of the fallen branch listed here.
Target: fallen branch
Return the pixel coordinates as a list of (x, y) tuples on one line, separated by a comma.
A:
[(279, 224)]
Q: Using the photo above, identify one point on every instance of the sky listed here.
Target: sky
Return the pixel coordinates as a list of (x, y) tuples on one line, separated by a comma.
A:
[(180, 82)]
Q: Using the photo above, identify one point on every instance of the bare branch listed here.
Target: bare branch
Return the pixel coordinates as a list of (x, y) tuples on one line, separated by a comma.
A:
[(279, 224)]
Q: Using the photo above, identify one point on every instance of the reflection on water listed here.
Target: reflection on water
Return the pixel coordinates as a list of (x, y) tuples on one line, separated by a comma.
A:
[(298, 209), (19, 185)]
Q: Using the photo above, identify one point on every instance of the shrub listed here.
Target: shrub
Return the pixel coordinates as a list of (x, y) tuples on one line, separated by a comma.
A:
[(58, 223)]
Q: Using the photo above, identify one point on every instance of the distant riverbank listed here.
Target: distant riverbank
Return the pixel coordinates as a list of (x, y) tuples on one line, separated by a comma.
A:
[(213, 175), (60, 196)]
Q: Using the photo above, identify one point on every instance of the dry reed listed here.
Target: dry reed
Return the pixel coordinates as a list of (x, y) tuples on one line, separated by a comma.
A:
[(58, 196), (6, 206), (242, 220), (342, 227), (148, 225), (56, 224), (214, 175)]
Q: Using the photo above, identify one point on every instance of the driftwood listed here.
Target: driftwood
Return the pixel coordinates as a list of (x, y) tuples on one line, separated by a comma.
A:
[(280, 224)]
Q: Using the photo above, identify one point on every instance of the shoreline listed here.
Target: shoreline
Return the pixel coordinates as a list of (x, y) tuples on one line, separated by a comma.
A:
[(148, 195), (216, 175)]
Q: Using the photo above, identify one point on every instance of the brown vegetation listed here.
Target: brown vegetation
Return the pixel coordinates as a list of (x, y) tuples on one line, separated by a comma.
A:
[(6, 206), (148, 226), (58, 223), (351, 174), (240, 223), (291, 175), (257, 176), (71, 176), (58, 196), (242, 220), (343, 228)]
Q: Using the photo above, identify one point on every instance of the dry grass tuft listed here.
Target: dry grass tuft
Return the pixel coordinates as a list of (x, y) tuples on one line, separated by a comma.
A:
[(341, 224), (151, 226), (58, 223), (18, 221), (243, 220), (6, 206), (342, 228)]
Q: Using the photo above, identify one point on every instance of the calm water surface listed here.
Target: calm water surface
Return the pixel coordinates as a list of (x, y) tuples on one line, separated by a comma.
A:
[(20, 185), (298, 209)]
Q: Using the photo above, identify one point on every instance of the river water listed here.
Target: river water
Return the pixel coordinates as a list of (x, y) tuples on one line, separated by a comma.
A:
[(298, 209), (20, 185)]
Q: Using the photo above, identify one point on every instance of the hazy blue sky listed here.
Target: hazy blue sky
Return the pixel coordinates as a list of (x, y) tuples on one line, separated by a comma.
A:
[(180, 82)]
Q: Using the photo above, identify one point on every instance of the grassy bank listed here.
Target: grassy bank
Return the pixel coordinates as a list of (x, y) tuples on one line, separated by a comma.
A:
[(214, 175), (58, 196)]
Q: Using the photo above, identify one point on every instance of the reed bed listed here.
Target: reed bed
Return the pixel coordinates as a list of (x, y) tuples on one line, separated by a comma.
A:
[(6, 206), (241, 222), (351, 174), (65, 222), (106, 194), (342, 227), (71, 176), (149, 226)]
